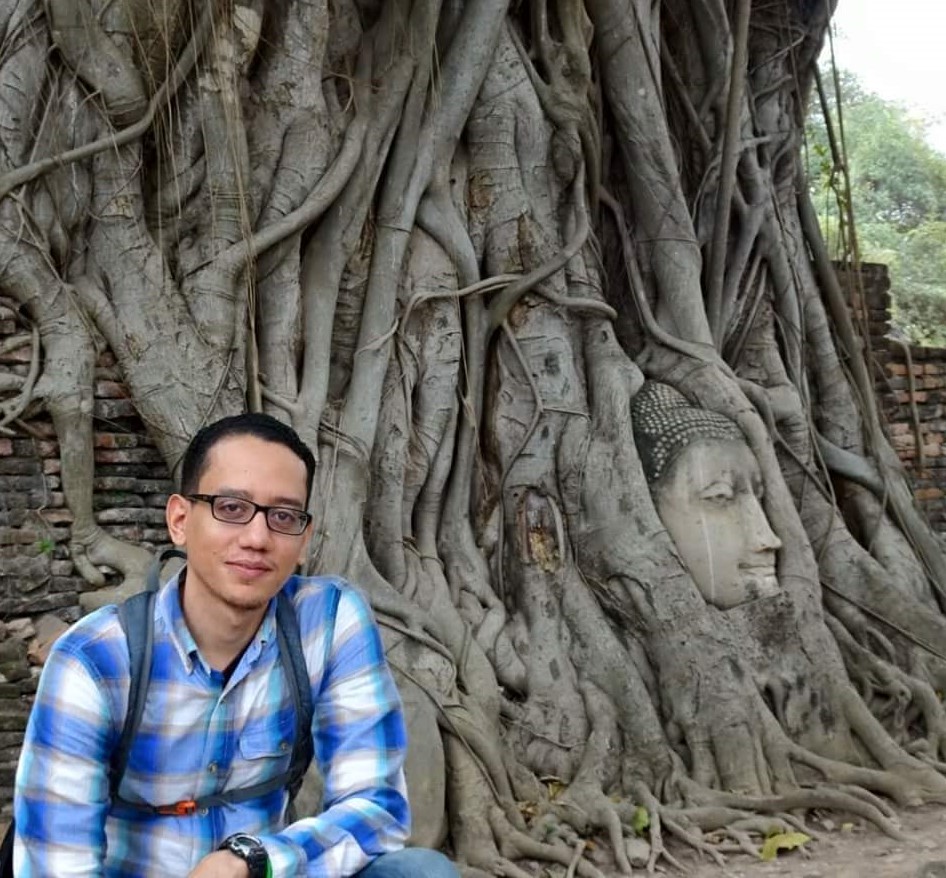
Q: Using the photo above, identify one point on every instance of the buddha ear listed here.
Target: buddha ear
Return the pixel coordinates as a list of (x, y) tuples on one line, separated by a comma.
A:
[(176, 514)]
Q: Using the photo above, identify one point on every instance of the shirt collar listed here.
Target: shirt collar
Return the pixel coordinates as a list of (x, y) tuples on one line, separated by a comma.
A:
[(169, 614)]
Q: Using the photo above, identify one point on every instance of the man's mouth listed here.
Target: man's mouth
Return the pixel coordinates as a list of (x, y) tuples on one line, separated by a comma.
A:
[(249, 568)]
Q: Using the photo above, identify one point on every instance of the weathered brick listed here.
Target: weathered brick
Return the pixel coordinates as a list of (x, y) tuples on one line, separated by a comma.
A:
[(155, 536), (110, 390), (24, 567), (47, 448), (109, 499), (113, 409), (128, 515), (115, 440), (16, 466), (6, 447), (113, 483), (42, 499), (129, 455), (58, 516), (10, 536), (46, 603)]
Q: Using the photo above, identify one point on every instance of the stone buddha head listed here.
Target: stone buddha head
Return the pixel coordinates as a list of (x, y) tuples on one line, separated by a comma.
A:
[(707, 488)]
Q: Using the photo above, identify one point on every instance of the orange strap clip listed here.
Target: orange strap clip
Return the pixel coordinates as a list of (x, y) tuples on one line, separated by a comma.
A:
[(186, 808)]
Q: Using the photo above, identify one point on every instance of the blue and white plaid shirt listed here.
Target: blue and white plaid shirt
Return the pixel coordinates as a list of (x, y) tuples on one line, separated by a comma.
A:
[(201, 735)]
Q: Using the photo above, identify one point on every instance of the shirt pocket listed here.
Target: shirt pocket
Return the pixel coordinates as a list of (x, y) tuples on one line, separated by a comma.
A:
[(264, 748)]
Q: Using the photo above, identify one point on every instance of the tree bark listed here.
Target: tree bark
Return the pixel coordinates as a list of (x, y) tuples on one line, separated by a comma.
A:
[(447, 242)]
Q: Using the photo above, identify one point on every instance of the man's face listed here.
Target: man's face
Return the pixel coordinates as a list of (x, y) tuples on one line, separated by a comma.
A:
[(240, 565)]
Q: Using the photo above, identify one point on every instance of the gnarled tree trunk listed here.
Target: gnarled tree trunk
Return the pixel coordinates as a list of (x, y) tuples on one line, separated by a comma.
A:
[(447, 242)]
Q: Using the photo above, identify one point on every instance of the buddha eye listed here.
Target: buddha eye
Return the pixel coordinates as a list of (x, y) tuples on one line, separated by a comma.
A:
[(718, 494)]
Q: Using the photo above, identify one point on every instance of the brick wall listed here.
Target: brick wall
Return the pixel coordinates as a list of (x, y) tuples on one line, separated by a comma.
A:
[(910, 381), (39, 586)]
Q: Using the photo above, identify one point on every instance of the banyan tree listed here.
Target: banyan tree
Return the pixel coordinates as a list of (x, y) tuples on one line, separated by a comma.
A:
[(542, 284)]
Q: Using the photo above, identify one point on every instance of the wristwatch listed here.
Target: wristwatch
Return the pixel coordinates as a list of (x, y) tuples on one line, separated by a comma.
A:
[(249, 849)]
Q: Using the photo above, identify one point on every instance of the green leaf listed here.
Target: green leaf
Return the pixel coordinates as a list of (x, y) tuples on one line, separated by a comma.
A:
[(641, 820), (782, 841)]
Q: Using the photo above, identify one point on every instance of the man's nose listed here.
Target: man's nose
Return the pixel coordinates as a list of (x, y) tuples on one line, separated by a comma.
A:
[(256, 532)]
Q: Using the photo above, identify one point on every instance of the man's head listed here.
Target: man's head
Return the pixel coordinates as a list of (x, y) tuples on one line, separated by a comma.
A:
[(255, 424), (241, 514)]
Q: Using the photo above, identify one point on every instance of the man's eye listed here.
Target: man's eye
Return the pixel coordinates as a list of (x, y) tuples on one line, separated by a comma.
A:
[(231, 507), (284, 516)]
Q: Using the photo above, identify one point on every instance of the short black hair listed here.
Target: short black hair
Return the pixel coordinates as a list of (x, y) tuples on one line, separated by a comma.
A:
[(256, 424)]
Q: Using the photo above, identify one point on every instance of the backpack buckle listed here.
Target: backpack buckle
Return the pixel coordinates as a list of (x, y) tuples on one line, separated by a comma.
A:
[(185, 808)]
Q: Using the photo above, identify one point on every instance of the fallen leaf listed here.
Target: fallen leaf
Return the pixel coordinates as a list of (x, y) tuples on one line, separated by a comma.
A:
[(782, 841)]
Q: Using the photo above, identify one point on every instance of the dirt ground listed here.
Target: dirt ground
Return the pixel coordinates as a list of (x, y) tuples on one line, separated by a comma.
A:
[(856, 852)]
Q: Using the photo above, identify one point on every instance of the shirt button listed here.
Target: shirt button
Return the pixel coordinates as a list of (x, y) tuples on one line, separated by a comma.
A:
[(212, 768), (284, 746), (203, 812)]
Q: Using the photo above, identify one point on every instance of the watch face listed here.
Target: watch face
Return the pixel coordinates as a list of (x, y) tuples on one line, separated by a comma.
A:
[(249, 849)]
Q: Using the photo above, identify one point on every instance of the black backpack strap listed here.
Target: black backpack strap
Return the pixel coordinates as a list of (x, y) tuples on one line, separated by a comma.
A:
[(136, 616), (295, 668), (6, 851)]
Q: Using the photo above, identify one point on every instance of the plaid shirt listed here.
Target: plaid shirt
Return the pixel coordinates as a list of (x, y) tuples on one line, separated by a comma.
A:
[(201, 735)]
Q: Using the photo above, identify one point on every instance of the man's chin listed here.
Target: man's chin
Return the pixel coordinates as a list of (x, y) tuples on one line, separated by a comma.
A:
[(248, 598)]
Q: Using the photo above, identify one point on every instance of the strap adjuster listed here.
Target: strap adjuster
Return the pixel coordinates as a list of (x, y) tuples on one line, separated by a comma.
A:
[(185, 808)]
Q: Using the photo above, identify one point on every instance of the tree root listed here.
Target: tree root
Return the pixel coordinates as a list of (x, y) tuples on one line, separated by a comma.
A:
[(514, 844), (808, 799), (10, 411)]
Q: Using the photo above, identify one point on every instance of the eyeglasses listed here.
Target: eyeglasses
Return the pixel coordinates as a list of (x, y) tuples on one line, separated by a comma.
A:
[(237, 510)]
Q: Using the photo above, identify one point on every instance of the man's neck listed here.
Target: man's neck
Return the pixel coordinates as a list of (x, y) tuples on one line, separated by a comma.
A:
[(220, 631)]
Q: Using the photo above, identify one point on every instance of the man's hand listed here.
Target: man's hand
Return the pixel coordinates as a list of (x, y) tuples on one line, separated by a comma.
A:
[(221, 864)]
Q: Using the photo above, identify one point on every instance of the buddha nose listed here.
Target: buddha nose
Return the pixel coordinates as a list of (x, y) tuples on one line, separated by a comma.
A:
[(761, 536)]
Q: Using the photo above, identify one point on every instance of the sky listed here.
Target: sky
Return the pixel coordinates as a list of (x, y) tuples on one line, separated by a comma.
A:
[(897, 54)]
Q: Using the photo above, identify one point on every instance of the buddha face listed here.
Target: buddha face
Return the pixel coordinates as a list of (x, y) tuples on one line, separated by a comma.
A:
[(709, 501)]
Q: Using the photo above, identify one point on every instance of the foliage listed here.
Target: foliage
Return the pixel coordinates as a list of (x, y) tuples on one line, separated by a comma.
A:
[(898, 193)]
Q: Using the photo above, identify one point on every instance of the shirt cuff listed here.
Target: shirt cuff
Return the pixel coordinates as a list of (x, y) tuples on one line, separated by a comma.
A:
[(286, 859)]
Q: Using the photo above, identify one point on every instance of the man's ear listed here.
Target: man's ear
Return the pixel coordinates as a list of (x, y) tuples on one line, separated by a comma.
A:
[(175, 514), (304, 548)]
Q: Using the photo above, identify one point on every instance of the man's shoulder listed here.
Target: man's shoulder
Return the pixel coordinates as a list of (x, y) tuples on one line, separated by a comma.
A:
[(98, 641), (319, 599), (316, 589)]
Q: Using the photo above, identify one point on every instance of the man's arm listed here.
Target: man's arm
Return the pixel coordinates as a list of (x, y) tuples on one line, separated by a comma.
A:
[(360, 742), (61, 791)]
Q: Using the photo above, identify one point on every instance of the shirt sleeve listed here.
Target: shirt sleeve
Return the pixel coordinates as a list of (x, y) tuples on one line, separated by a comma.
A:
[(360, 743), (61, 790)]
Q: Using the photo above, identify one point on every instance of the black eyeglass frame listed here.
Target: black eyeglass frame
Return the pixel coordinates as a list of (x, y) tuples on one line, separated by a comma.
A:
[(210, 500)]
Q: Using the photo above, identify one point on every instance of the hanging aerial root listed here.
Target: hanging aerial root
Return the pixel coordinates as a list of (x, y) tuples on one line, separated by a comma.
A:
[(113, 140)]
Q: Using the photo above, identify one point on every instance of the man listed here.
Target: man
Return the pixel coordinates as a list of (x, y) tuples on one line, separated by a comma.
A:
[(219, 712)]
